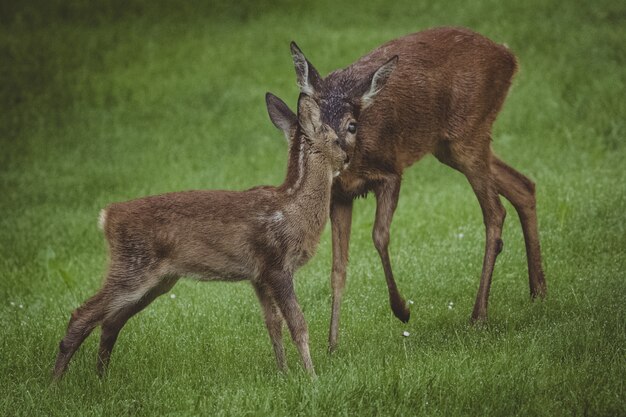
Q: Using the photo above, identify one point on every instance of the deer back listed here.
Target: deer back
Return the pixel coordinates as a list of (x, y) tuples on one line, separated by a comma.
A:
[(448, 85)]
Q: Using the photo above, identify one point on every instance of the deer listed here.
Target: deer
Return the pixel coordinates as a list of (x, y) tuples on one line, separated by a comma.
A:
[(262, 235), (434, 92)]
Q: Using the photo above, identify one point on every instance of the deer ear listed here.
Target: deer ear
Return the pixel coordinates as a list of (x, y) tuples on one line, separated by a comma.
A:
[(280, 115), (378, 80), (309, 79), (308, 115)]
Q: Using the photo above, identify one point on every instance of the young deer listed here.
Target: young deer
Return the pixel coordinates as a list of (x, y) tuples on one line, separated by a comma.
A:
[(439, 92), (263, 235)]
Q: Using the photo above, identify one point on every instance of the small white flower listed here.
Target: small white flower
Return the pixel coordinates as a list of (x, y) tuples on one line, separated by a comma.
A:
[(406, 334), (460, 235), (172, 296), (21, 306), (12, 304)]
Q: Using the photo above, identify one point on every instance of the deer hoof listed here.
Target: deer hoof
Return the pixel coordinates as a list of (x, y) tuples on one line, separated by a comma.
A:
[(401, 312)]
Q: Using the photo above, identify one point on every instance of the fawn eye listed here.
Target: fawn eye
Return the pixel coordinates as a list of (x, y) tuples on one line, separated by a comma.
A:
[(337, 142), (352, 127)]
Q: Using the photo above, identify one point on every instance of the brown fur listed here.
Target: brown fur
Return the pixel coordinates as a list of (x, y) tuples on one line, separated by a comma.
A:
[(442, 98), (263, 235)]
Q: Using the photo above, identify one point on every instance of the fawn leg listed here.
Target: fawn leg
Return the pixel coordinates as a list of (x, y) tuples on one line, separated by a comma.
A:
[(341, 222), (387, 194), (520, 191), (273, 322), (122, 312), (82, 322), (281, 284)]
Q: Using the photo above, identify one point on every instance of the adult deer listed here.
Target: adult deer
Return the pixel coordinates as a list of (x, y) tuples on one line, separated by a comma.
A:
[(439, 92), (263, 235)]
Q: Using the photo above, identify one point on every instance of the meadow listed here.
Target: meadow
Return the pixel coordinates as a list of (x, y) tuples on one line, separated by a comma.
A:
[(108, 101)]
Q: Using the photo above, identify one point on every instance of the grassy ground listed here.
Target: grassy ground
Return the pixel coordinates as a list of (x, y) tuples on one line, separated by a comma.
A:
[(108, 102)]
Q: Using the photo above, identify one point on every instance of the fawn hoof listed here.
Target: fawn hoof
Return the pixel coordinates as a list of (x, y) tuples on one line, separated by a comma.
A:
[(538, 293), (538, 287), (478, 317)]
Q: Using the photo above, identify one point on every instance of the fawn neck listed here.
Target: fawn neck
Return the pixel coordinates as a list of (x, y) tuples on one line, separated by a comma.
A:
[(308, 184)]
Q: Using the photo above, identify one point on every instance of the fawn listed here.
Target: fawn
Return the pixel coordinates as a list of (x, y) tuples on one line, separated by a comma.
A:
[(263, 235)]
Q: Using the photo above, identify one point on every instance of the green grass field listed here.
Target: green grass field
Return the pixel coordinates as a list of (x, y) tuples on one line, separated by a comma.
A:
[(107, 102)]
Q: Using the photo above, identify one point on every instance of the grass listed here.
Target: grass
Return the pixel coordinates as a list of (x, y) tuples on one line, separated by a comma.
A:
[(106, 102)]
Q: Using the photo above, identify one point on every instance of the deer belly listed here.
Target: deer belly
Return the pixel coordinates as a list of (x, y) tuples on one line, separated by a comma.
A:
[(216, 263)]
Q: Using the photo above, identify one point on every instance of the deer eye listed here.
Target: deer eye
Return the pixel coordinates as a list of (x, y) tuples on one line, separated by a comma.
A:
[(337, 142), (352, 127)]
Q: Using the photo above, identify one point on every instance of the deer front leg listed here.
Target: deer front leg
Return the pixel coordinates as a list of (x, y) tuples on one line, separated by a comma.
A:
[(387, 193), (341, 222), (284, 296), (274, 323)]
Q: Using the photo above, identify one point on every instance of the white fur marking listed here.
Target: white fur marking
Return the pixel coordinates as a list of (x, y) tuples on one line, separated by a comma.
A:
[(277, 217), (303, 67), (300, 169), (102, 218), (126, 299), (377, 82)]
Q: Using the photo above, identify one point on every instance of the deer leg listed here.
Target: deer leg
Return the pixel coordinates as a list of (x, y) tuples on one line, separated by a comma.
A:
[(83, 320), (341, 222), (484, 186), (284, 296), (520, 191), (387, 194), (273, 322), (117, 318)]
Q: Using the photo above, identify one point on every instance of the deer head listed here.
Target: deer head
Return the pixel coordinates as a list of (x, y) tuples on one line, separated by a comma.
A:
[(341, 99)]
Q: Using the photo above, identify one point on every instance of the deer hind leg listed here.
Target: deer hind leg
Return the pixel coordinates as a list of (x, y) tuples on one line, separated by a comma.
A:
[(520, 191), (387, 194), (480, 177), (120, 310), (475, 163), (493, 216), (341, 222)]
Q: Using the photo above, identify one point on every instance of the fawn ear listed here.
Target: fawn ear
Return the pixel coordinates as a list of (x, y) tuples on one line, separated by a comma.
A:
[(280, 115), (377, 81), (309, 79), (309, 115)]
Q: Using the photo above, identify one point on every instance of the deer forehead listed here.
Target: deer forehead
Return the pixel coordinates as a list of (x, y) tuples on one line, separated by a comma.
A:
[(335, 110)]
